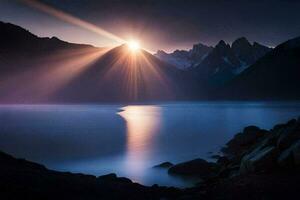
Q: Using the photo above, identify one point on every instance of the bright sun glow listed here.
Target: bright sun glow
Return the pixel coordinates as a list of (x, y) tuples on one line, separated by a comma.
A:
[(134, 45)]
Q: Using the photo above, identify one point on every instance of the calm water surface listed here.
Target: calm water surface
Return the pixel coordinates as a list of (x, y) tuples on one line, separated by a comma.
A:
[(129, 140)]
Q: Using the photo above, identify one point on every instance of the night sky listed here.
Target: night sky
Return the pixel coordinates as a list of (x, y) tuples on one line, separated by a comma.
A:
[(167, 24)]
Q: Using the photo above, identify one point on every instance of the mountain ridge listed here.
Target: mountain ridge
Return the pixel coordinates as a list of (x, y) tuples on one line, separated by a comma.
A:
[(274, 76), (67, 72), (240, 54), (49, 70)]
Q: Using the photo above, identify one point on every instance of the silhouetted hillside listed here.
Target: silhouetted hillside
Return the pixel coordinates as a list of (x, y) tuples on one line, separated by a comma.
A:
[(15, 39), (20, 49), (225, 62), (122, 75), (37, 69), (22, 179), (275, 76), (48, 70)]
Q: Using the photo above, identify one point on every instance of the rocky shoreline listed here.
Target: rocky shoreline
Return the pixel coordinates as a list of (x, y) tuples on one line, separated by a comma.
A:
[(255, 164)]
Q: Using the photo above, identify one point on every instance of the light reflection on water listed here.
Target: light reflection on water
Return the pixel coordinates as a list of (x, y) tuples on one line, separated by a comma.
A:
[(97, 139), (142, 123)]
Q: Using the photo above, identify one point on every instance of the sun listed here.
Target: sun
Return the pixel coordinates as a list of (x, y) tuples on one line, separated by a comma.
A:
[(133, 45)]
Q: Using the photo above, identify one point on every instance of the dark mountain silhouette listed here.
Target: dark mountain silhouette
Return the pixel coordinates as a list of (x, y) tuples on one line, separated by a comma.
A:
[(48, 70), (218, 64), (183, 59), (225, 62), (16, 40), (247, 53), (34, 69), (19, 48), (122, 75), (274, 76)]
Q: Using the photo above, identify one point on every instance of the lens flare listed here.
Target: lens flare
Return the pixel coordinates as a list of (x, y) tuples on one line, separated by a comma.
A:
[(133, 45), (73, 20)]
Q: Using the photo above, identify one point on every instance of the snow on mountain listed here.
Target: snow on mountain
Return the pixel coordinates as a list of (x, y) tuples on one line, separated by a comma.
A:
[(235, 58), (225, 62), (183, 59)]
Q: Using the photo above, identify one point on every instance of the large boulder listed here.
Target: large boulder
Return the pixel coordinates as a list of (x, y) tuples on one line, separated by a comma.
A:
[(229, 171), (260, 159), (165, 165), (223, 160), (197, 167), (289, 134), (243, 141), (291, 156)]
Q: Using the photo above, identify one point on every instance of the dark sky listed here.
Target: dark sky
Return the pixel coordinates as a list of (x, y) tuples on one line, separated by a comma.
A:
[(164, 24)]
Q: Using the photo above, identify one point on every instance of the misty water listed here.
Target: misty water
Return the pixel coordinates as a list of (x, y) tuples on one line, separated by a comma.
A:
[(129, 140)]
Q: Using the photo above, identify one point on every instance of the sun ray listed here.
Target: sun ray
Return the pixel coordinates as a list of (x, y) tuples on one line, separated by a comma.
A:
[(73, 20), (140, 75), (53, 72), (133, 45)]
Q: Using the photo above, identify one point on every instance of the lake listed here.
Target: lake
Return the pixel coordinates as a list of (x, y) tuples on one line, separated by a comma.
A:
[(129, 139)]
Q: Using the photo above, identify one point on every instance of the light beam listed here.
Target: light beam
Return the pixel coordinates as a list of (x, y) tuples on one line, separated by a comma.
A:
[(73, 20)]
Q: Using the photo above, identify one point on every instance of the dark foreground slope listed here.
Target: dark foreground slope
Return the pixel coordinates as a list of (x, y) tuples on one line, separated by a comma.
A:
[(259, 164), (256, 164), (21, 179)]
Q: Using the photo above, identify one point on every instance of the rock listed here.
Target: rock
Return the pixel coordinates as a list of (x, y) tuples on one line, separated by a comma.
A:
[(21, 179), (111, 176), (124, 180), (285, 159), (166, 165), (243, 141), (223, 160), (291, 122), (291, 156), (296, 153), (289, 135), (260, 159), (230, 171), (197, 167)]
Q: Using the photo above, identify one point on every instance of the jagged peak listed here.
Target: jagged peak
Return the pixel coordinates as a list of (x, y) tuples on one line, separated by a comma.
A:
[(160, 53), (55, 38), (241, 41), (222, 45), (256, 44), (200, 45), (179, 50), (221, 42)]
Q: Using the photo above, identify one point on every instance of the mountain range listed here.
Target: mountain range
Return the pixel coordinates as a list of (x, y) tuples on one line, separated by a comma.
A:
[(275, 76), (34, 70), (217, 64), (183, 59)]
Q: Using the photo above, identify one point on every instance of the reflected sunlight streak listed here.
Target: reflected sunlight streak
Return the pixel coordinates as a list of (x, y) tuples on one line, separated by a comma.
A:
[(142, 123)]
